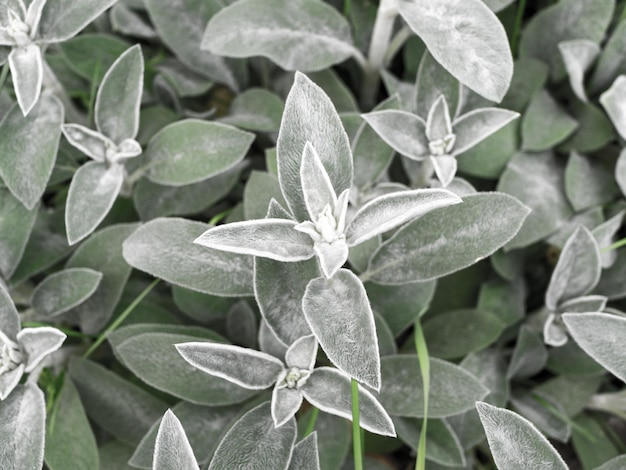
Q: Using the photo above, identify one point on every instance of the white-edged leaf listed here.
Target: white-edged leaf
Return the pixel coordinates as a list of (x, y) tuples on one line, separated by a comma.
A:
[(93, 190), (600, 335), (62, 19), (317, 189), (402, 131), (614, 102), (330, 390), (192, 150), (453, 390), (311, 117), (433, 81), (467, 38), (270, 238), (245, 367), (91, 143), (37, 343), (172, 448), (164, 248), (302, 353), (340, 316), (447, 239), (392, 210), (119, 97), (605, 235), (64, 290), (586, 303), (515, 442), (128, 22), (577, 271), (27, 162), (253, 28), (269, 342), (305, 454), (477, 125), (23, 427), (26, 66), (253, 443), (578, 55), (9, 380), (17, 223), (285, 403), (445, 168)]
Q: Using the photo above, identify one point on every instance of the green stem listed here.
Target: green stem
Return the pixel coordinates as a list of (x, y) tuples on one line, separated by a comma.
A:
[(311, 424), (346, 8), (518, 25), (615, 246), (216, 218), (119, 320), (424, 363), (356, 428), (3, 76)]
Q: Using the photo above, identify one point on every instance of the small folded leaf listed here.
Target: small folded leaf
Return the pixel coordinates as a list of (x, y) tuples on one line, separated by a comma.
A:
[(163, 247), (329, 390), (37, 343), (529, 355), (172, 449), (245, 367), (317, 189), (253, 443), (251, 28), (23, 427), (402, 131), (302, 353), (577, 271), (305, 454), (90, 142), (433, 81), (62, 19), (9, 318), (311, 117), (515, 443), (448, 239), (614, 101), (438, 123), (392, 210), (285, 403), (588, 183), (269, 238), (191, 150), (578, 55), (26, 66), (119, 97), (475, 50), (599, 335), (64, 290), (340, 316), (477, 125), (25, 169), (445, 168), (93, 190)]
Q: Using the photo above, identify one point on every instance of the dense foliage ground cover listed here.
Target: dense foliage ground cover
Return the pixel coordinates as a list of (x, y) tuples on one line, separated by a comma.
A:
[(230, 227)]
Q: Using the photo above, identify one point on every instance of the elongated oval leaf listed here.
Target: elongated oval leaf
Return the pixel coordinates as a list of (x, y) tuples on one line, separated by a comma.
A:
[(253, 443), (64, 290), (26, 65), (613, 100), (92, 193), (477, 125), (447, 239), (28, 146), (16, 224), (189, 151), (62, 19), (70, 442), (514, 441), (467, 38), (172, 449), (402, 131), (340, 316), (164, 248), (245, 367), (392, 210), (599, 335), (119, 97), (453, 390), (153, 358), (252, 27), (311, 117)]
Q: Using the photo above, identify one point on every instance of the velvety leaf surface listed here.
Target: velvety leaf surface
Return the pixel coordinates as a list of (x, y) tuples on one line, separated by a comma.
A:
[(26, 64), (598, 334), (91, 55), (447, 239), (452, 389), (340, 316), (442, 445), (16, 224), (70, 442), (578, 55), (64, 289), (402, 131), (529, 355), (27, 161), (305, 454), (172, 449), (587, 183), (256, 109), (613, 101), (477, 125), (475, 51), (545, 124), (191, 150), (333, 438), (62, 19), (253, 443), (253, 27), (432, 81), (164, 248), (515, 443)]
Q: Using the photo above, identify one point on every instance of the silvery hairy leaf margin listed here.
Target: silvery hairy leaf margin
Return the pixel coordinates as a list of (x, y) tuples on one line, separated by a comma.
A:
[(294, 380), (438, 139), (29, 30)]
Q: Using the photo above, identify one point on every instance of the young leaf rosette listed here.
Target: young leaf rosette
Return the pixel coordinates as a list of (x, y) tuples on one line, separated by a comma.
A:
[(293, 380)]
